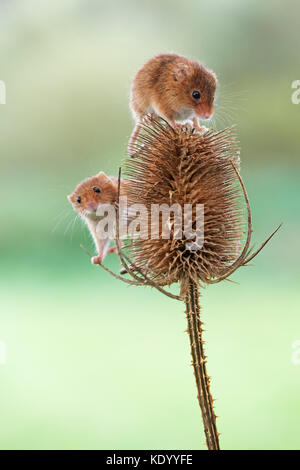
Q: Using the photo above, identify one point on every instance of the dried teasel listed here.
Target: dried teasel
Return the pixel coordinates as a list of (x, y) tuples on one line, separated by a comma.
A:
[(182, 166), (178, 167)]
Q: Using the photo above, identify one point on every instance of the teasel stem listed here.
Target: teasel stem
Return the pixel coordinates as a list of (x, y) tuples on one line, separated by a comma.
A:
[(199, 363)]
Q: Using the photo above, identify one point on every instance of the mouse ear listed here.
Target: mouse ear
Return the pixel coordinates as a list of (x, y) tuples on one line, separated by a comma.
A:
[(102, 174), (180, 72)]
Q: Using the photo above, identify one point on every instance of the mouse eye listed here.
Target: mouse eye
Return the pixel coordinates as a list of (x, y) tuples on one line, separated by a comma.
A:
[(196, 94), (96, 189), (78, 199)]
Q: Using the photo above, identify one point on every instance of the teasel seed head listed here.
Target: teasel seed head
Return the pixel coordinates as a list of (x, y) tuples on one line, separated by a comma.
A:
[(183, 166)]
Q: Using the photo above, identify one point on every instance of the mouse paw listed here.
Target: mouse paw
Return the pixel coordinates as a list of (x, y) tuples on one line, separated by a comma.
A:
[(97, 259), (112, 249)]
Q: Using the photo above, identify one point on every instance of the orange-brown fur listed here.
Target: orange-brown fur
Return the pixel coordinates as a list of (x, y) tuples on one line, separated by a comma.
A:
[(90, 201), (164, 86)]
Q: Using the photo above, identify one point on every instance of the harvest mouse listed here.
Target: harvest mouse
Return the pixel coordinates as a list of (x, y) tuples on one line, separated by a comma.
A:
[(86, 199), (173, 87)]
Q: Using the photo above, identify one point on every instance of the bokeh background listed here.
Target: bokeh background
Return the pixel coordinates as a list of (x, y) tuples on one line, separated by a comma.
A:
[(91, 363)]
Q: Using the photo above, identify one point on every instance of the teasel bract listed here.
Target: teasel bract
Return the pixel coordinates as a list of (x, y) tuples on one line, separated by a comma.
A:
[(181, 166)]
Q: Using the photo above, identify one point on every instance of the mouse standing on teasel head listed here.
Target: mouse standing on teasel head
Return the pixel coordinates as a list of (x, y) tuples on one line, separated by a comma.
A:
[(173, 87)]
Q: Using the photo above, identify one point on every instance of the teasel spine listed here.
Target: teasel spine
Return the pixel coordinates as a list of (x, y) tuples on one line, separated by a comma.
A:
[(194, 331)]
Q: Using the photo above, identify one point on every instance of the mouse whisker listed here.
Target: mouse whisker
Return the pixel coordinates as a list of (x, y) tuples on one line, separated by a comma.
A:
[(73, 225), (59, 218), (69, 225)]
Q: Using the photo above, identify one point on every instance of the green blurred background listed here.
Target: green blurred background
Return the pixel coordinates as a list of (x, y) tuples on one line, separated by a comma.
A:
[(90, 362)]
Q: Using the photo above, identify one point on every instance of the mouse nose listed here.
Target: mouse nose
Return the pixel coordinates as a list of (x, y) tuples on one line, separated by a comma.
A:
[(204, 111), (206, 115), (92, 206)]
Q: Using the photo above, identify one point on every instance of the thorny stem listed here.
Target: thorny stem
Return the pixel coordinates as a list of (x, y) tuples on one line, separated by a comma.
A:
[(199, 363)]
